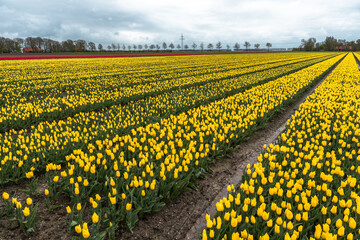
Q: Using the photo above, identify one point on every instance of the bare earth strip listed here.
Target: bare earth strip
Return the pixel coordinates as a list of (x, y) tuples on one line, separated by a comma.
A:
[(184, 217)]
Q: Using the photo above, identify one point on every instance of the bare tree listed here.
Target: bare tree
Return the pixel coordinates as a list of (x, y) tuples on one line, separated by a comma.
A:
[(171, 46), (80, 45), (152, 47), (178, 47), (227, 47), (100, 47), (256, 45), (194, 46), (146, 46), (247, 45), (30, 42), (129, 47), (92, 46), (48, 45), (237, 46), (39, 42), (268, 45), (113, 46), (134, 47), (157, 47), (109, 47), (55, 46), (218, 45), (20, 42), (210, 46), (186, 47), (118, 47), (164, 45), (68, 45), (7, 45), (140, 46), (123, 47), (202, 46)]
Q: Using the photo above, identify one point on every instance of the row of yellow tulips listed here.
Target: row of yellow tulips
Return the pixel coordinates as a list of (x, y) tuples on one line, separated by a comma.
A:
[(50, 142), (135, 173), (21, 107), (306, 186)]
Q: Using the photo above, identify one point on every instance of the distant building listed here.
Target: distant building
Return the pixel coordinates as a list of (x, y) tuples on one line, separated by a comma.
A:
[(31, 50), (343, 48)]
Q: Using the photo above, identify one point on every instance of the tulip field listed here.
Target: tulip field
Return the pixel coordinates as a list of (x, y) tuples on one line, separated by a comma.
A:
[(119, 138), (306, 186)]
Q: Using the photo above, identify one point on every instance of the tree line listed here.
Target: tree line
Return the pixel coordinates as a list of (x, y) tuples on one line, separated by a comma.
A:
[(38, 44), (329, 44)]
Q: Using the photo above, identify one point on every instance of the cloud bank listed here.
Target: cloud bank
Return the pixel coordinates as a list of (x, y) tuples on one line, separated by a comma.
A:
[(282, 22)]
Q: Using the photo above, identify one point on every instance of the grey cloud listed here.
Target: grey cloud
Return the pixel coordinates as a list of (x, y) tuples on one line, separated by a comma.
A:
[(281, 22)]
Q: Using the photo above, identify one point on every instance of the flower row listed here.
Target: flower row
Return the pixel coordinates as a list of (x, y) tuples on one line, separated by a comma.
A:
[(306, 186), (135, 173)]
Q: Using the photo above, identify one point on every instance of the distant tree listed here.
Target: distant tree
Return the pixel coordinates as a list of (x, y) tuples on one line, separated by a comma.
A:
[(202, 46), (81, 45), (134, 47), (171, 46), (218, 45), (247, 45), (48, 44), (7, 45), (178, 47), (237, 46), (123, 47), (39, 42), (109, 47), (2, 44), (31, 42), (146, 46), (194, 46), (210, 46), (55, 46), (100, 47), (20, 42), (129, 47), (351, 45), (113, 46), (256, 45), (227, 47), (357, 45), (92, 46), (164, 45), (68, 45), (158, 47), (118, 47), (342, 42), (308, 45), (186, 47), (330, 43), (268, 45), (152, 47), (140, 47)]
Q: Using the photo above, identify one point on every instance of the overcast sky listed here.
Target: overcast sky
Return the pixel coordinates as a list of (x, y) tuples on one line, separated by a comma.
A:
[(281, 22)]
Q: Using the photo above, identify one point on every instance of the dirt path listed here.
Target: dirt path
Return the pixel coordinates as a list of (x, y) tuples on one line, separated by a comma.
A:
[(184, 217)]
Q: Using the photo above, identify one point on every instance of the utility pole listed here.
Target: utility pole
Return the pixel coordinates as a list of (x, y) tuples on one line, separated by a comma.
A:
[(182, 41)]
